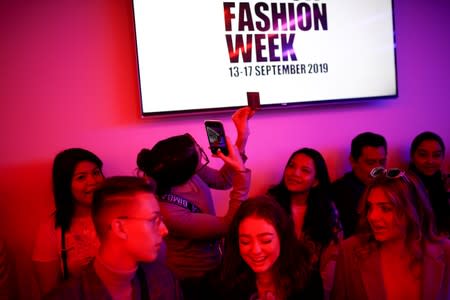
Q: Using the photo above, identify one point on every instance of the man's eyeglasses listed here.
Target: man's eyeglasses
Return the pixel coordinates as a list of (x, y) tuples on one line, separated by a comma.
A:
[(155, 221), (389, 173)]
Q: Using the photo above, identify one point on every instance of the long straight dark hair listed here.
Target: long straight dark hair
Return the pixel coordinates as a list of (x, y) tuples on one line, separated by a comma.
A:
[(64, 166), (291, 269), (320, 215)]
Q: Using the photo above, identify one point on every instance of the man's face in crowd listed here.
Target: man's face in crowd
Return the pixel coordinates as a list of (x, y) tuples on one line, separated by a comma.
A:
[(371, 157)]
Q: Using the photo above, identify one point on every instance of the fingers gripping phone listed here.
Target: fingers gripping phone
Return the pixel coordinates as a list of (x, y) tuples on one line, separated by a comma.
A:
[(216, 136)]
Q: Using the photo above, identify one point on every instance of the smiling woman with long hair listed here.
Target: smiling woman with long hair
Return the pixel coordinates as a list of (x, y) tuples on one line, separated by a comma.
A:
[(262, 257), (66, 242), (303, 192), (427, 154)]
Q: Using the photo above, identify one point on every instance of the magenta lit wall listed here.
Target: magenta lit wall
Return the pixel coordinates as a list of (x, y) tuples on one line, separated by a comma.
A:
[(69, 79)]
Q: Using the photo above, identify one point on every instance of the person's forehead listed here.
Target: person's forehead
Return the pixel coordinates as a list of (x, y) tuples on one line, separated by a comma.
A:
[(302, 157), (429, 145), (85, 166), (377, 195), (255, 225), (373, 152)]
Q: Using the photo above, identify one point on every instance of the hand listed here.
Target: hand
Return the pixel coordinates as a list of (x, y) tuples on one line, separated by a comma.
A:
[(240, 119), (233, 159)]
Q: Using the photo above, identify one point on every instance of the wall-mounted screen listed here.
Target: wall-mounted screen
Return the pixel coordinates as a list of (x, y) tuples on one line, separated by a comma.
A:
[(205, 55)]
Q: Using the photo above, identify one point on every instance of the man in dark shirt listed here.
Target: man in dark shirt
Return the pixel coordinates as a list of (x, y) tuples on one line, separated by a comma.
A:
[(368, 151), (130, 229)]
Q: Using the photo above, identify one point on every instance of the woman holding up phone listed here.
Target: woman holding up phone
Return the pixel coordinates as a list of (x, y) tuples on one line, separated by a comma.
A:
[(179, 167)]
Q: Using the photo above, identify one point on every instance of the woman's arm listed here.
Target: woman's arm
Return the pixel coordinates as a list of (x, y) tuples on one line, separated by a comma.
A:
[(46, 260), (240, 119), (222, 179), (48, 275), (327, 268), (338, 290), (183, 222), (7, 284)]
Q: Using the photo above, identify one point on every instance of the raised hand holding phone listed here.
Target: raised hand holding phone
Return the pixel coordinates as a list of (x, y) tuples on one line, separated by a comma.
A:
[(216, 136), (233, 159)]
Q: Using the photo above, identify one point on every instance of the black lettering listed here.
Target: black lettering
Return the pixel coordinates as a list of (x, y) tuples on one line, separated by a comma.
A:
[(228, 15), (245, 17), (320, 16), (287, 46), (264, 24), (278, 16), (239, 47)]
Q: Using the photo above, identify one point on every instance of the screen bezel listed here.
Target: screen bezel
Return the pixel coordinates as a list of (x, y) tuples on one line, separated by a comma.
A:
[(273, 106)]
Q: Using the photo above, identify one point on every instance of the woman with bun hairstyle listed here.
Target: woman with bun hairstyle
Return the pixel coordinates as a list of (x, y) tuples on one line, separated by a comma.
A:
[(178, 165)]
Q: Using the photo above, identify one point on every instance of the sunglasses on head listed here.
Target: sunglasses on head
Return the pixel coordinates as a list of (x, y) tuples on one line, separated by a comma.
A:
[(389, 173)]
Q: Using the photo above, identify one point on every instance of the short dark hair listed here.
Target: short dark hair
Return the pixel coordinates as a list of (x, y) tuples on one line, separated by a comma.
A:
[(113, 192), (425, 136), (64, 165), (366, 139), (170, 162)]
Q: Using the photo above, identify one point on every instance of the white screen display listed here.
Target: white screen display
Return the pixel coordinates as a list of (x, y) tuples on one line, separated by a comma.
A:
[(206, 54)]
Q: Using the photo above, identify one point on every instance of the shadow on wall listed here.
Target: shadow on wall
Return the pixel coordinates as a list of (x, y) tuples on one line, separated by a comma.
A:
[(19, 220)]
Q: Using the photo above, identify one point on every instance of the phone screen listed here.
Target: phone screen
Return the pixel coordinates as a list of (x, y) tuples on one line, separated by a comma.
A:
[(216, 137)]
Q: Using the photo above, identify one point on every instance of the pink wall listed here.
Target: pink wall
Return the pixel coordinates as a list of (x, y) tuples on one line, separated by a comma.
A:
[(68, 78)]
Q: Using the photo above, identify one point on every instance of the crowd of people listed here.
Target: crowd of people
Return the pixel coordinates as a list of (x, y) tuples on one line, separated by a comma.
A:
[(375, 233)]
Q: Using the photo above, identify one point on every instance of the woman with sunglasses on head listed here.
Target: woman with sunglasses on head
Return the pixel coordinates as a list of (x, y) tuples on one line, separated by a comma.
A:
[(304, 194), (427, 158), (263, 259), (66, 243), (178, 165), (396, 253)]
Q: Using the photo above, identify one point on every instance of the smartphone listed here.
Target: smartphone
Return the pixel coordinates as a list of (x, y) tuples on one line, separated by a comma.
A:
[(253, 100), (216, 136)]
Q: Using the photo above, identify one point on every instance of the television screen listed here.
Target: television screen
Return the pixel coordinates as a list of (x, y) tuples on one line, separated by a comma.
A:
[(205, 55)]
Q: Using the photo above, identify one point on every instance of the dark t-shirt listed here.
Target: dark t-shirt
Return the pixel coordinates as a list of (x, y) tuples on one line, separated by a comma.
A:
[(439, 199), (346, 192), (156, 283)]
